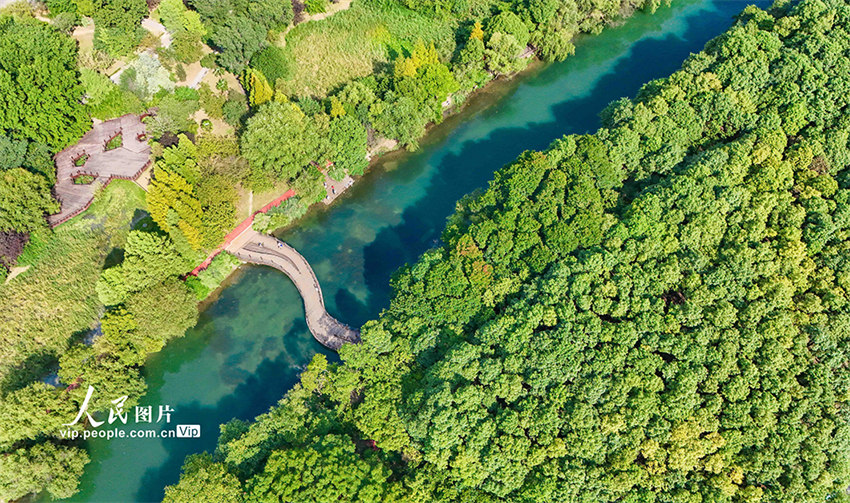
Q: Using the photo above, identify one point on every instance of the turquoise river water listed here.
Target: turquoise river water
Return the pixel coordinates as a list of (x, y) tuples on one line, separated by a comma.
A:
[(252, 341)]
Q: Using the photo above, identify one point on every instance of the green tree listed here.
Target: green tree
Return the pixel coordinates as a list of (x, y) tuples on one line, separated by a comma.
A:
[(176, 18), (217, 196), (25, 199), (278, 141), (272, 62), (402, 119), (469, 65), (503, 53), (149, 258), (118, 25), (44, 467), (145, 77), (106, 100), (336, 472), (32, 411), (358, 97), (40, 91), (508, 23), (272, 14), (238, 38), (88, 366), (256, 87), (173, 116), (202, 479), (172, 197), (235, 108), (144, 324), (430, 85), (12, 152), (348, 145)]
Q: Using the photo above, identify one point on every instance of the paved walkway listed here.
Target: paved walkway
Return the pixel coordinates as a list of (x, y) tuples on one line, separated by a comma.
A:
[(335, 188), (251, 246), (158, 30), (126, 161)]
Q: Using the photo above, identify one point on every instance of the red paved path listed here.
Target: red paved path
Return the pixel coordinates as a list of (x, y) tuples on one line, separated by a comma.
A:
[(239, 229)]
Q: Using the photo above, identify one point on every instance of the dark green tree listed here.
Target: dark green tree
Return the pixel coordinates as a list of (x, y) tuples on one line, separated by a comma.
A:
[(40, 91), (118, 25), (25, 199), (348, 145), (238, 39)]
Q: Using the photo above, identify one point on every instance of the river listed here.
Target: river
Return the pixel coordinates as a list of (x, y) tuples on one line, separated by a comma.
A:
[(251, 342)]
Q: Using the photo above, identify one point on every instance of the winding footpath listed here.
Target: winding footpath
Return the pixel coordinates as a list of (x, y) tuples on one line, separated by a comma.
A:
[(257, 248)]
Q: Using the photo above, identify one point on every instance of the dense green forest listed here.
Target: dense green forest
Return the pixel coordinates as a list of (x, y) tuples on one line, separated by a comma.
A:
[(654, 312)]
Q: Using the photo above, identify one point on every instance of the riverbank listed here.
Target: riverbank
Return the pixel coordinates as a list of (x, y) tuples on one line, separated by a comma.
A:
[(475, 102), (379, 148)]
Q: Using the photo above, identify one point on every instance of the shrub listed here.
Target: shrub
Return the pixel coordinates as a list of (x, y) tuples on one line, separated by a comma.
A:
[(310, 106), (273, 63), (114, 143), (185, 93), (84, 179), (235, 108), (146, 76), (210, 278), (209, 61), (315, 6)]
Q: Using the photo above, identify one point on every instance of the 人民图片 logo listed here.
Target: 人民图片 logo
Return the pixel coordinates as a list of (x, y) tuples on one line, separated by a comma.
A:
[(141, 414)]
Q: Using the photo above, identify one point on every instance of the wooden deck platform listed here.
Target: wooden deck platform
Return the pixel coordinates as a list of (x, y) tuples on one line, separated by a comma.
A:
[(126, 161), (335, 188)]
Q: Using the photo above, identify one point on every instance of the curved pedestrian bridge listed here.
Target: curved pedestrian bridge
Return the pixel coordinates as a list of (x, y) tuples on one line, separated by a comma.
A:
[(257, 248)]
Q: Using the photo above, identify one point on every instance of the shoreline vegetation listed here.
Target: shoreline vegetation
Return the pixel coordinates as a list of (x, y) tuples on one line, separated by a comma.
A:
[(243, 107), (657, 311), (395, 155)]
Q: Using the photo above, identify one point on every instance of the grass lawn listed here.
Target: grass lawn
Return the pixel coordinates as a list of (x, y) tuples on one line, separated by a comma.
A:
[(352, 43), (58, 289)]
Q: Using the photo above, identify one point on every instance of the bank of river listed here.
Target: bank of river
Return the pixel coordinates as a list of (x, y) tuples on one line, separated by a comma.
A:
[(252, 341)]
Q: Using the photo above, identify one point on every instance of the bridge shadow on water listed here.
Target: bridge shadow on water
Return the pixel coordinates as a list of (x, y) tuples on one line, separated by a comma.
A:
[(457, 174)]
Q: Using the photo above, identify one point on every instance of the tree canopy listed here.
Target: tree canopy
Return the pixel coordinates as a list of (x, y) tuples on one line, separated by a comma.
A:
[(279, 140), (24, 200), (40, 90), (118, 25)]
